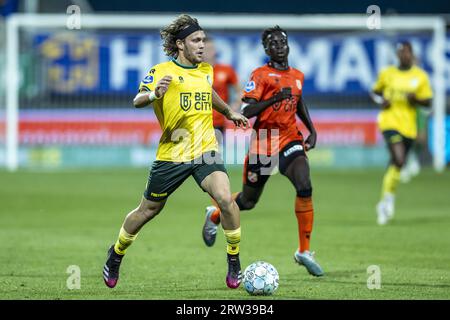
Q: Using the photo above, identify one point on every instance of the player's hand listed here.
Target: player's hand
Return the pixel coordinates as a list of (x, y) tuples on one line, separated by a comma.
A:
[(238, 119), (411, 97), (310, 142), (162, 86), (385, 104), (285, 93)]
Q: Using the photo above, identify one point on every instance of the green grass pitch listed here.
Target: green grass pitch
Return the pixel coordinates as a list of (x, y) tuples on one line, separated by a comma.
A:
[(51, 220)]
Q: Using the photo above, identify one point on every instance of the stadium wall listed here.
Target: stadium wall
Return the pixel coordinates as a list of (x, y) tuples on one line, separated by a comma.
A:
[(80, 117)]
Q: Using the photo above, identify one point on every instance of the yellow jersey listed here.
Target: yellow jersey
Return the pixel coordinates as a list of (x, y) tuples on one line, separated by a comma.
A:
[(395, 84), (184, 112)]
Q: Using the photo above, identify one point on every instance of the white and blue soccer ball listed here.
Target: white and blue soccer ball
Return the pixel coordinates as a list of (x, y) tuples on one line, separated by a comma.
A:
[(261, 278)]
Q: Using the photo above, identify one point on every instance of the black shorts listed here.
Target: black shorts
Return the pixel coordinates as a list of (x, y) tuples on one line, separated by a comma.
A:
[(258, 168), (393, 136), (165, 176)]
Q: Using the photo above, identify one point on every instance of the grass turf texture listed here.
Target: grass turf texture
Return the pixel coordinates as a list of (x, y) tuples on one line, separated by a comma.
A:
[(50, 220)]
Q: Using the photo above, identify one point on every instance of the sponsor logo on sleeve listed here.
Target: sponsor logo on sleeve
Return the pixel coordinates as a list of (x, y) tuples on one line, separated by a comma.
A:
[(250, 86), (148, 79)]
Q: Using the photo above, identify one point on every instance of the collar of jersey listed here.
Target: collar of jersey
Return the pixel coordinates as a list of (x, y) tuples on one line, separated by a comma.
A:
[(184, 66), (278, 70), (406, 70)]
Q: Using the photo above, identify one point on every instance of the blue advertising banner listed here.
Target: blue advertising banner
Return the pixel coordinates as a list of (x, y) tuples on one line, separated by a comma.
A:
[(115, 62)]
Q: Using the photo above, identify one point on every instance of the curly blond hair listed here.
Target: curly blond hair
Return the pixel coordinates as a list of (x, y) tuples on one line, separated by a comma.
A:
[(168, 33)]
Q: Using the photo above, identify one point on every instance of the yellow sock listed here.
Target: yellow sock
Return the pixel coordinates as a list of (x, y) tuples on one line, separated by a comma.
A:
[(124, 241), (233, 239), (390, 180)]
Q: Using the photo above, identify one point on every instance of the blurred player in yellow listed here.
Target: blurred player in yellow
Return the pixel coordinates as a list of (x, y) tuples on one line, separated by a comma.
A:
[(399, 90), (181, 93)]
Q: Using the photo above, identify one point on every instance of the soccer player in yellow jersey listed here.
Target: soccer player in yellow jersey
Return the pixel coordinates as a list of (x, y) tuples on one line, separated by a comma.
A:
[(181, 93), (400, 90)]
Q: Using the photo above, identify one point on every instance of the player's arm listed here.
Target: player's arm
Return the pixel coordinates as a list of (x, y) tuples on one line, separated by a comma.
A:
[(146, 97), (377, 97), (251, 107), (236, 105), (303, 114), (220, 106), (413, 100), (377, 90), (422, 96), (419, 98)]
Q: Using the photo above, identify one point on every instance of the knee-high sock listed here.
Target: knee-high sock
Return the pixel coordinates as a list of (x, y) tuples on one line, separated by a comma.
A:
[(390, 181), (305, 216), (233, 238), (215, 216), (124, 241)]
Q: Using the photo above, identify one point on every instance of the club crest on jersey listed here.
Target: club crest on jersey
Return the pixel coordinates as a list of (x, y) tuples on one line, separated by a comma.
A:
[(299, 84), (148, 79), (185, 100), (250, 86), (208, 78), (414, 82)]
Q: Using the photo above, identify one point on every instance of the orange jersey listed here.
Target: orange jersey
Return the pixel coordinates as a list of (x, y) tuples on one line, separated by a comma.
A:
[(224, 76), (265, 82)]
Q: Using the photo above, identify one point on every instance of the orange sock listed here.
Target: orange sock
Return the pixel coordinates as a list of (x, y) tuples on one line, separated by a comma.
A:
[(305, 214), (215, 216)]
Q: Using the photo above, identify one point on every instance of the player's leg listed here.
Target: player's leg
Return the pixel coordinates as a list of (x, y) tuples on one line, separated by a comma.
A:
[(398, 151), (413, 163), (134, 221), (217, 185), (245, 200), (296, 168), (164, 178), (254, 179)]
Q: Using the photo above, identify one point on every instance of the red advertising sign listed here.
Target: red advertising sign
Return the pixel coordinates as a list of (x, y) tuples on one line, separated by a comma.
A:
[(133, 127)]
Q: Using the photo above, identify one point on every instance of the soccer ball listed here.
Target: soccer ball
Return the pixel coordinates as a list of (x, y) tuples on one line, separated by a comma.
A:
[(261, 278)]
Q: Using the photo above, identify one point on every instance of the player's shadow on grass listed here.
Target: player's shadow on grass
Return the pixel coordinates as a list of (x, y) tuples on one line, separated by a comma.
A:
[(419, 221), (424, 285), (333, 277), (345, 273), (329, 274), (362, 222)]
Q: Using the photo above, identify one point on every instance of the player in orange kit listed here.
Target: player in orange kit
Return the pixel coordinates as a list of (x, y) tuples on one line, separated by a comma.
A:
[(274, 96), (225, 83)]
